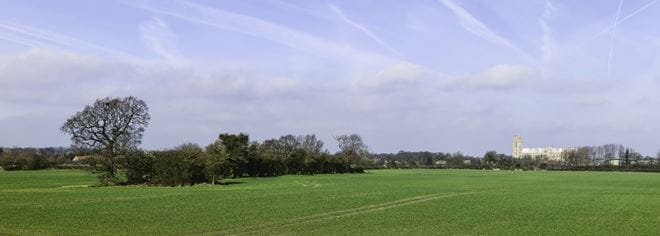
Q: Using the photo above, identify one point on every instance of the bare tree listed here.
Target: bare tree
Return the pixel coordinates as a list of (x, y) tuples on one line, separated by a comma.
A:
[(310, 144), (112, 126), (352, 148)]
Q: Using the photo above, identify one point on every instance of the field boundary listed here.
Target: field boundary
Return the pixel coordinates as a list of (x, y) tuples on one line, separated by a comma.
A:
[(336, 214)]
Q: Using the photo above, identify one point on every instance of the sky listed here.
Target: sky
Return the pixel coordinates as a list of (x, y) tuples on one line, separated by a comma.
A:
[(419, 75)]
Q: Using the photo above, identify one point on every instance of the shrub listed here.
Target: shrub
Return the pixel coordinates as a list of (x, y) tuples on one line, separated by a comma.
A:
[(192, 154), (22, 159), (139, 167), (170, 169)]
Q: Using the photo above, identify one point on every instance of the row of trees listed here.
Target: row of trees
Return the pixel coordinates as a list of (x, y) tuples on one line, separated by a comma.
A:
[(456, 160), (233, 155), (113, 128), (603, 157), (302, 154), (404, 159), (34, 158), (598, 155)]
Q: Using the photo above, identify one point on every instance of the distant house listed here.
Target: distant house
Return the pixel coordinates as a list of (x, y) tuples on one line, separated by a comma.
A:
[(81, 158), (614, 162), (645, 162)]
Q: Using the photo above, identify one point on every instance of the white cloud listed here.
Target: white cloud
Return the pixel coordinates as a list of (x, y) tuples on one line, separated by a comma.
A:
[(190, 104), (394, 76), (405, 76), (45, 74), (500, 77), (41, 67), (195, 104)]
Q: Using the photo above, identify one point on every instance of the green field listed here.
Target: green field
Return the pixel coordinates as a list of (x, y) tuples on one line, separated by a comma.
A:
[(451, 202)]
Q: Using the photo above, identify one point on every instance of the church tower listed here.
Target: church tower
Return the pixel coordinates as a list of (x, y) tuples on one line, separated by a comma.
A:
[(517, 147)]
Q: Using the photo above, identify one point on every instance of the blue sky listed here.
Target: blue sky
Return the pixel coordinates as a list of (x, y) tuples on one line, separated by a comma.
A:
[(436, 75)]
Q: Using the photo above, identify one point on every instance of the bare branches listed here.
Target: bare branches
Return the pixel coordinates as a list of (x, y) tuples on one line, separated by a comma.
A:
[(352, 147), (112, 125)]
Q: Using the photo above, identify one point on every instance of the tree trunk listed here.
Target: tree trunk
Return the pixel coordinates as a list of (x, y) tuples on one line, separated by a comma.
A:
[(213, 179)]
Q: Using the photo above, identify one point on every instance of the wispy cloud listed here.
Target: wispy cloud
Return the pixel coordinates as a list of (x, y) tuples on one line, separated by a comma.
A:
[(34, 36), (157, 36), (363, 29), (478, 28)]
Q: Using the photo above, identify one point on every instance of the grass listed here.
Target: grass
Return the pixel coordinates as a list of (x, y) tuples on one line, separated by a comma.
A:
[(404, 202)]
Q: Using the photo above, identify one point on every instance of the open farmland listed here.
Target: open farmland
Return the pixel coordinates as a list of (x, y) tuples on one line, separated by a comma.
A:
[(379, 202)]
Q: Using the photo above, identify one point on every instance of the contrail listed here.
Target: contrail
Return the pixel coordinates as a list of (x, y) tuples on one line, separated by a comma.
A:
[(639, 10), (609, 61), (642, 8), (363, 29), (34, 36), (249, 25), (480, 29)]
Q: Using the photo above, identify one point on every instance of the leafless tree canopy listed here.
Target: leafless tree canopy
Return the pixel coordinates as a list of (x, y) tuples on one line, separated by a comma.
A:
[(311, 144), (352, 147), (113, 125)]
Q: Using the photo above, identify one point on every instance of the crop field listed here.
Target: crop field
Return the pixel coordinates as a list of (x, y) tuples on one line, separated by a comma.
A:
[(404, 202)]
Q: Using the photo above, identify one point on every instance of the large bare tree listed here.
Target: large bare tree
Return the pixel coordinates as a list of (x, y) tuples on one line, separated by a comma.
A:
[(352, 148), (112, 126)]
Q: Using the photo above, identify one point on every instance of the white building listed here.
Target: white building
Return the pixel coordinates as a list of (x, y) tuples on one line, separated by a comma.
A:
[(552, 153)]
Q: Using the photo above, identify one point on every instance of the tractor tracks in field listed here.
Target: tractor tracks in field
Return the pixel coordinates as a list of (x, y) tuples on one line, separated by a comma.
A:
[(336, 214), (306, 184)]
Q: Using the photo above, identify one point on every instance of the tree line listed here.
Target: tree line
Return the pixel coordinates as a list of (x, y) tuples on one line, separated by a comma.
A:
[(230, 156), (235, 156), (113, 128), (35, 158), (603, 157), (304, 155), (109, 131)]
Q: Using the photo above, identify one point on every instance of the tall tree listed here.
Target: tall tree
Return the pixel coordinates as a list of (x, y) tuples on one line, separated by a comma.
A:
[(352, 149), (112, 126)]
